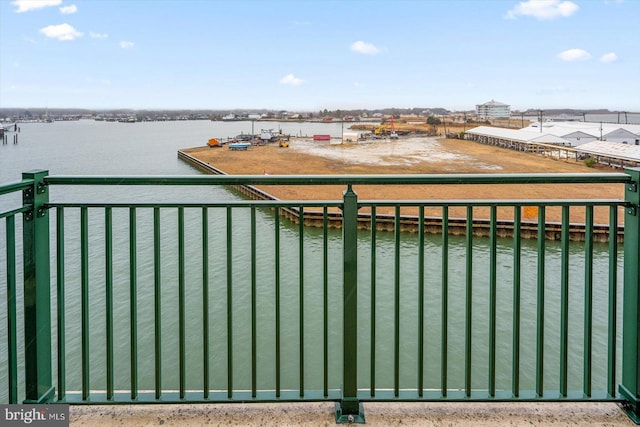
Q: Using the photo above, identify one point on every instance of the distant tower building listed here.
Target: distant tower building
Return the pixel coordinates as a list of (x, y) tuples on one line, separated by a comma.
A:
[(493, 110)]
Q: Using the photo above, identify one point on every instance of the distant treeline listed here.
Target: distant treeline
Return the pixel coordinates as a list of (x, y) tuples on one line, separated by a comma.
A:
[(6, 113)]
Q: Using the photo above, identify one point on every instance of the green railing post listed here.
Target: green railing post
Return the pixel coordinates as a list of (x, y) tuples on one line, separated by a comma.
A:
[(37, 292), (630, 387), (349, 409)]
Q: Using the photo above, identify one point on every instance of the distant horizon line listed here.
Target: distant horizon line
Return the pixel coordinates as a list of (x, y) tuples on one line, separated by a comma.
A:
[(247, 110)]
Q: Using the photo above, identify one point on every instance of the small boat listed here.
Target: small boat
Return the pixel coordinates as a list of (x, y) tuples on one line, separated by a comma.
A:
[(239, 146)]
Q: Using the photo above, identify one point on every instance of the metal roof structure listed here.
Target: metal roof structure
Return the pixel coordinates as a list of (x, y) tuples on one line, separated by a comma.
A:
[(530, 135), (597, 130), (517, 135), (611, 149)]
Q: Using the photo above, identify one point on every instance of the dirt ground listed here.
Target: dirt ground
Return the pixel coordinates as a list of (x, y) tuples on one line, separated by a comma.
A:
[(415, 155)]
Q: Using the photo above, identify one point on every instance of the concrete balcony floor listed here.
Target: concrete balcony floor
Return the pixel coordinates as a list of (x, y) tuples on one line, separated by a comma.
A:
[(376, 414)]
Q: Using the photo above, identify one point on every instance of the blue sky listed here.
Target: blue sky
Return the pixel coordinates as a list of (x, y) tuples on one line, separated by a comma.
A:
[(310, 55)]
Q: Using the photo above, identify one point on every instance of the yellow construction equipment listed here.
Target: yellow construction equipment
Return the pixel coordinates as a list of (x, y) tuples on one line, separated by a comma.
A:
[(284, 143)]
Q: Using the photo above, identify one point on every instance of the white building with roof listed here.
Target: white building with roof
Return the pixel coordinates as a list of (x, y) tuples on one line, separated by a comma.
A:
[(493, 110), (502, 136), (615, 145), (579, 137), (622, 136), (583, 132)]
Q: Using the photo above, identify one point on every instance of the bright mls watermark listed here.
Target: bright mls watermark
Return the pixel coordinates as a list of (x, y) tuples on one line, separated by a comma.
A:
[(37, 415)]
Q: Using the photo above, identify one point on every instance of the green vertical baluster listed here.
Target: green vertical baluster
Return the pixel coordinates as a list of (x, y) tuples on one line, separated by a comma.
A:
[(60, 275), (181, 303), (84, 266), (349, 408), (468, 302), (613, 300), (373, 301), (421, 301), (445, 299), (492, 301), (157, 293), (517, 249), (277, 296), (301, 291), (133, 307), (205, 302), (630, 387), (37, 291), (253, 304), (396, 309), (229, 303), (564, 302), (12, 359), (108, 231), (588, 299), (325, 295), (540, 303)]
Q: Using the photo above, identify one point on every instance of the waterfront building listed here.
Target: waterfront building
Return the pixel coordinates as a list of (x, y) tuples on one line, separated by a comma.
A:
[(612, 144), (493, 110)]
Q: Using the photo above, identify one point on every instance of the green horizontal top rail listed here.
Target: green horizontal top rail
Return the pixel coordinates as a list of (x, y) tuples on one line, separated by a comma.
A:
[(337, 203), (235, 204), (12, 187), (437, 179), (496, 202)]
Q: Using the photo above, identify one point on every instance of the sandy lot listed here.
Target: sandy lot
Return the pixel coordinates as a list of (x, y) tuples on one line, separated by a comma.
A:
[(403, 152), (414, 155)]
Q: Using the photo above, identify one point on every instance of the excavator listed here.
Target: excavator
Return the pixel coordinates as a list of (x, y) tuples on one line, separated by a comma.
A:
[(384, 130), (379, 130)]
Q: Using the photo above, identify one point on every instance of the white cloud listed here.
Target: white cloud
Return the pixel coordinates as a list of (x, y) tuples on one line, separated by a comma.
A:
[(68, 10), (98, 35), (609, 57), (574, 55), (27, 5), (126, 45), (365, 48), (292, 80), (61, 32), (543, 9)]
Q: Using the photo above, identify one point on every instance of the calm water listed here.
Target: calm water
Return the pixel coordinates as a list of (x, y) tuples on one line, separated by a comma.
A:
[(88, 147), (628, 118)]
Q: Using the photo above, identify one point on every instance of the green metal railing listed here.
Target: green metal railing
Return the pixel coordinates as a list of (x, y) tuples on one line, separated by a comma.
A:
[(121, 295)]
